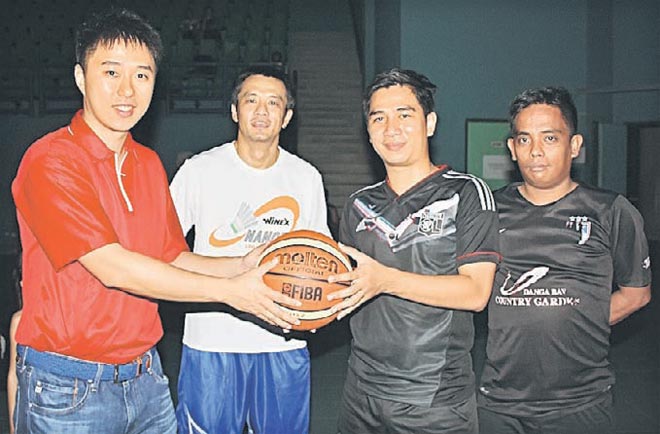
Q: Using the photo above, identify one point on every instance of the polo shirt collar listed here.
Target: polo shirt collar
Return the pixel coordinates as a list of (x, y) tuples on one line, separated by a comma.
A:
[(88, 139)]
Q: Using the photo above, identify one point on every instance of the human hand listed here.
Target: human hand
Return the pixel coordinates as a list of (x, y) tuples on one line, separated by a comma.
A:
[(251, 258), (367, 280), (254, 297)]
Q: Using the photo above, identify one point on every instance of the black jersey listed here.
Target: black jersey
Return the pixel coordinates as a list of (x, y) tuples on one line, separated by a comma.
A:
[(548, 337), (402, 350)]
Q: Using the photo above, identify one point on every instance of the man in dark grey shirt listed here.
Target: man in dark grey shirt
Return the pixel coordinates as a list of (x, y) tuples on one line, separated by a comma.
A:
[(563, 244), (425, 242)]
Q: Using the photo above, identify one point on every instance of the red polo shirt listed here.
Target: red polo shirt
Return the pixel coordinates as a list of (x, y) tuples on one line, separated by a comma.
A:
[(71, 200)]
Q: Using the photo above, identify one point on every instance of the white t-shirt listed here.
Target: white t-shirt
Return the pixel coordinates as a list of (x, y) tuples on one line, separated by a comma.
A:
[(234, 208)]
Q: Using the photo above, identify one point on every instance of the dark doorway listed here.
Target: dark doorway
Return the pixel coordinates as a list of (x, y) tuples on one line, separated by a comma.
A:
[(643, 174)]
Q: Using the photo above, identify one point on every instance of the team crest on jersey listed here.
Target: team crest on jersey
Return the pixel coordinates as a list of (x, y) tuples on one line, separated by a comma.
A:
[(430, 223), (582, 225)]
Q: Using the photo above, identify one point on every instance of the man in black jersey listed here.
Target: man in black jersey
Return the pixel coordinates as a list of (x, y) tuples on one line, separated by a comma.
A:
[(425, 243), (563, 244)]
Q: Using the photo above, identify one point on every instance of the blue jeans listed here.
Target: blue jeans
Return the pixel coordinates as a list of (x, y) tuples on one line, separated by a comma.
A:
[(49, 403)]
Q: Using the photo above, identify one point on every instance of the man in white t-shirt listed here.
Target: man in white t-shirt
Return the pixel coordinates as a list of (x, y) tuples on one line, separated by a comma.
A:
[(239, 195)]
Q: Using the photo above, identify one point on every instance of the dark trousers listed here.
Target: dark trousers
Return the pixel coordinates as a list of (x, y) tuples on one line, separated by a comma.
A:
[(595, 419), (360, 413)]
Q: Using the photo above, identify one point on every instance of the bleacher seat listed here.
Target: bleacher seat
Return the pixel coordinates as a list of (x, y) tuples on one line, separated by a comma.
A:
[(208, 50), (225, 35), (230, 50), (184, 51), (16, 89), (256, 51)]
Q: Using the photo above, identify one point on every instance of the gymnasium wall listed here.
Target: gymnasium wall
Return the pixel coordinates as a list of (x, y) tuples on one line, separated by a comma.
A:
[(387, 49), (319, 15), (636, 59), (482, 53)]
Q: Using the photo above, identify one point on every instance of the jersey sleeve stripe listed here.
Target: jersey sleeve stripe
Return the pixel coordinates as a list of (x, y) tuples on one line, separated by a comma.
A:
[(485, 195)]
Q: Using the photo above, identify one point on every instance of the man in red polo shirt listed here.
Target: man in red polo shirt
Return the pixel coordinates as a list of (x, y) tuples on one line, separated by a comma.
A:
[(101, 241)]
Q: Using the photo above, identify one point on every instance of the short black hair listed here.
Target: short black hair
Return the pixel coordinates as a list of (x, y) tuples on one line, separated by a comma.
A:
[(420, 85), (113, 25), (551, 95), (267, 71)]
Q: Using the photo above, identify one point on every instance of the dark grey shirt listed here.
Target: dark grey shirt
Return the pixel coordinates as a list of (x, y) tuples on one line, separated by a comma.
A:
[(402, 350), (548, 338)]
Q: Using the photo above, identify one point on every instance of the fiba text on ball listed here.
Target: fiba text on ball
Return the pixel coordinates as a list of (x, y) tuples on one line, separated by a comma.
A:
[(302, 292)]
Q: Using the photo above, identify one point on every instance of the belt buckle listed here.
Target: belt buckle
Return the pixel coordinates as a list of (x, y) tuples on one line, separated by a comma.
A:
[(141, 363), (138, 368)]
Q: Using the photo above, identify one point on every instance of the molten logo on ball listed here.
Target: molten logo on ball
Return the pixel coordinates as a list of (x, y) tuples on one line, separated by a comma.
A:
[(305, 260)]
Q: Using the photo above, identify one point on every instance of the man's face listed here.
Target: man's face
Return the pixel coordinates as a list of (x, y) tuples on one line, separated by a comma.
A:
[(543, 146), (117, 85), (398, 129), (261, 111)]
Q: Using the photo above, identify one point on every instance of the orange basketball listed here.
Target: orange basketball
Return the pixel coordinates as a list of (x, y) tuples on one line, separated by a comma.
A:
[(306, 259)]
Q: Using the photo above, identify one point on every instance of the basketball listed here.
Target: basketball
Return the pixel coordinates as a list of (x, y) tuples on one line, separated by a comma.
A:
[(306, 259)]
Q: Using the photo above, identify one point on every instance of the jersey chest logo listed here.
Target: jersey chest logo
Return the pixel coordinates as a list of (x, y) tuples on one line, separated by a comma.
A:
[(524, 293), (430, 223), (524, 281), (582, 225), (273, 218), (432, 220)]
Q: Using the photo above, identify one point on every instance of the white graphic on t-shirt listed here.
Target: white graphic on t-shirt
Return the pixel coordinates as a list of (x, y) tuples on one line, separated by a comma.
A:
[(582, 225), (257, 226), (533, 296), (428, 221), (243, 219), (529, 278), (646, 263)]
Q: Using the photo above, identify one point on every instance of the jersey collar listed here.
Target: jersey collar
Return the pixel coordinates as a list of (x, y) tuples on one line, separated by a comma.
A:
[(438, 170), (87, 138)]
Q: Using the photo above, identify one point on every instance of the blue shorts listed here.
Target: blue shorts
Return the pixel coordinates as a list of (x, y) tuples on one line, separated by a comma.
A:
[(222, 392)]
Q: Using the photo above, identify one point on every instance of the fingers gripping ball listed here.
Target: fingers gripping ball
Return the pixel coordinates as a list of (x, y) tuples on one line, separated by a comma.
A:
[(305, 260)]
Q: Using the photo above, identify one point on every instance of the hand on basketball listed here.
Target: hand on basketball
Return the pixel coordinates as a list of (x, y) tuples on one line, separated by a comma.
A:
[(251, 259), (368, 280), (258, 299)]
